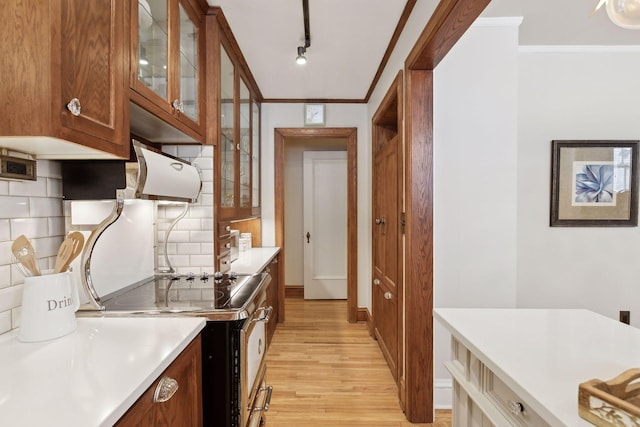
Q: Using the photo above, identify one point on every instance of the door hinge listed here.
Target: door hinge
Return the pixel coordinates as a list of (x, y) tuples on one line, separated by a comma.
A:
[(403, 221)]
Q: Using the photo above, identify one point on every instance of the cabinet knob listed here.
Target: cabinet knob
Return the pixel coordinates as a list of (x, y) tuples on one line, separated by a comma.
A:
[(165, 390), (228, 228), (178, 105), (376, 282), (74, 107), (516, 408), (387, 295), (228, 245)]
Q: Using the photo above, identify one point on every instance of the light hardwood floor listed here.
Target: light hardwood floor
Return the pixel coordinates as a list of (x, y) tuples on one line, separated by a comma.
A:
[(328, 372)]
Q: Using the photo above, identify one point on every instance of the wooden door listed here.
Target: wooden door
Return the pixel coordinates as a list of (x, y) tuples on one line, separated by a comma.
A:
[(325, 224), (387, 255), (92, 73)]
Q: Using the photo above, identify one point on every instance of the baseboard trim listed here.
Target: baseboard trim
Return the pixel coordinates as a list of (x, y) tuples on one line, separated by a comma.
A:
[(442, 393), (296, 291), (365, 316)]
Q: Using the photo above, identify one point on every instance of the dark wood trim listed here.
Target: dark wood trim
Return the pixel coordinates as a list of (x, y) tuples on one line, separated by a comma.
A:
[(223, 24), (294, 291), (419, 247), (406, 12), (447, 24), (351, 134), (445, 27)]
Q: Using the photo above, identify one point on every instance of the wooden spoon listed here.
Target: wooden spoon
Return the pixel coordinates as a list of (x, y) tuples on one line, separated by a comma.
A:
[(25, 254), (69, 250)]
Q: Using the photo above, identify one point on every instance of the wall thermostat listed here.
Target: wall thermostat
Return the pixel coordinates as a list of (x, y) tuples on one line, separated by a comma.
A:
[(12, 167)]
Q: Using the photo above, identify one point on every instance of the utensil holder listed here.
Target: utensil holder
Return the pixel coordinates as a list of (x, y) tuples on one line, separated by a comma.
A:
[(49, 303)]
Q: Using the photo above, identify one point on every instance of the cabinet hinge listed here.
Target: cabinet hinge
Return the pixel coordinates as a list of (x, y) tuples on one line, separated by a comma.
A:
[(403, 221)]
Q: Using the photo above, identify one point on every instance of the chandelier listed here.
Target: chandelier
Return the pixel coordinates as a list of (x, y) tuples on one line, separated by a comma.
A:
[(623, 13)]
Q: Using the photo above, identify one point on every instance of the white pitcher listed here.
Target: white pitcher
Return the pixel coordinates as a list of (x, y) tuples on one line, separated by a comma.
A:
[(49, 304)]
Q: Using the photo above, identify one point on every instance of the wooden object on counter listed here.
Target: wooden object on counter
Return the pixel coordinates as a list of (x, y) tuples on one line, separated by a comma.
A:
[(184, 407), (611, 403)]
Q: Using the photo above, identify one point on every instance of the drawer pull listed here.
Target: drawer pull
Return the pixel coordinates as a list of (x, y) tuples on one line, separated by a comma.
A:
[(267, 401), (165, 390), (387, 295), (516, 408)]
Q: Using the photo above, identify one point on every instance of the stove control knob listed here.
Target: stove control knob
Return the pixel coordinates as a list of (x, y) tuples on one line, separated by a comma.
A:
[(218, 276), (191, 277), (233, 275), (204, 277)]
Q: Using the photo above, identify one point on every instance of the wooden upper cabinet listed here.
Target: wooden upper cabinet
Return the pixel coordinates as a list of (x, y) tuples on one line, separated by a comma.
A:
[(64, 74), (167, 62)]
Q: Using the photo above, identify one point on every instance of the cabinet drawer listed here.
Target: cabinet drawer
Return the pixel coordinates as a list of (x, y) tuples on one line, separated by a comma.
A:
[(224, 245), (514, 408)]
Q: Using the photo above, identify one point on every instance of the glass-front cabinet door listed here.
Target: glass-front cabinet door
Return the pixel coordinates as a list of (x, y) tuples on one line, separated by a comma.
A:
[(255, 159), (188, 101), (168, 38), (153, 45), (245, 146), (227, 131)]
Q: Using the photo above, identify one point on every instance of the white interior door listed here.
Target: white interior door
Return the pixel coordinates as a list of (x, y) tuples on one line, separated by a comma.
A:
[(325, 224)]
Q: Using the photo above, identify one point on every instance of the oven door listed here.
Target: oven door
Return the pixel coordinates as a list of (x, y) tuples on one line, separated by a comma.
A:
[(252, 351)]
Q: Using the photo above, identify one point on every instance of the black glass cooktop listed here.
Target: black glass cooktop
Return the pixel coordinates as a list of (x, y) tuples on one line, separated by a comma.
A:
[(187, 293)]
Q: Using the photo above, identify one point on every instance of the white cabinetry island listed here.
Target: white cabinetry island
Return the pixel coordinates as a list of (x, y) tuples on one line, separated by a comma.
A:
[(522, 367)]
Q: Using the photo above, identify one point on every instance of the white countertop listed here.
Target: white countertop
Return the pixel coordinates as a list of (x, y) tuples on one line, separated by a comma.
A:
[(91, 376), (543, 355), (254, 260)]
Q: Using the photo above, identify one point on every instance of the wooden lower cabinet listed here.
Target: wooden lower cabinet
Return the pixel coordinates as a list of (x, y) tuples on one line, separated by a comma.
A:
[(272, 296), (184, 408)]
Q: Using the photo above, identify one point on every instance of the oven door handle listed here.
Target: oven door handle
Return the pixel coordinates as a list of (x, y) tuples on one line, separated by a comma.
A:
[(264, 316), (267, 401)]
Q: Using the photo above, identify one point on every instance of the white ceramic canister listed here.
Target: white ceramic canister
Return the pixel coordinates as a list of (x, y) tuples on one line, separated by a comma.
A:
[(248, 238), (49, 304)]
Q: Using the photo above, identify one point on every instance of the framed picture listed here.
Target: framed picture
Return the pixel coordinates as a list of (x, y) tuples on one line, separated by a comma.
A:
[(594, 184), (314, 114)]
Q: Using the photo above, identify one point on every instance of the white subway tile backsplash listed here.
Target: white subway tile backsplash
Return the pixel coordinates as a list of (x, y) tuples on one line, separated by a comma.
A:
[(206, 199), (189, 151), (5, 276), (177, 236), (203, 163), (49, 169), (207, 224), (31, 227), (207, 152), (14, 207), (207, 188), (171, 150), (6, 256), (45, 207), (204, 261), (206, 175), (54, 187), (188, 224), (10, 297), (28, 188), (200, 212), (32, 208), (5, 230), (188, 248), (5, 321), (207, 248), (199, 236)]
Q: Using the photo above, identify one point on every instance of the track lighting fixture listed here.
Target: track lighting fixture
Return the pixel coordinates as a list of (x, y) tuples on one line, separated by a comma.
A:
[(301, 59)]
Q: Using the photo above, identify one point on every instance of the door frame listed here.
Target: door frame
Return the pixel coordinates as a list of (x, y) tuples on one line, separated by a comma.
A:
[(350, 134), (449, 22)]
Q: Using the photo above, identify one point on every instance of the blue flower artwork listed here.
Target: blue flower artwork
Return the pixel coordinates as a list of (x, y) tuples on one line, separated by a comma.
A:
[(594, 184)]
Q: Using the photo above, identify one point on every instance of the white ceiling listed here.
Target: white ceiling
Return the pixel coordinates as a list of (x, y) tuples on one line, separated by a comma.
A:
[(349, 38)]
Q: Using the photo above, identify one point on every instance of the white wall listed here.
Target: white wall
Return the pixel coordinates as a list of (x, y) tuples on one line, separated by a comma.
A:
[(475, 176), (337, 115), (571, 93)]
